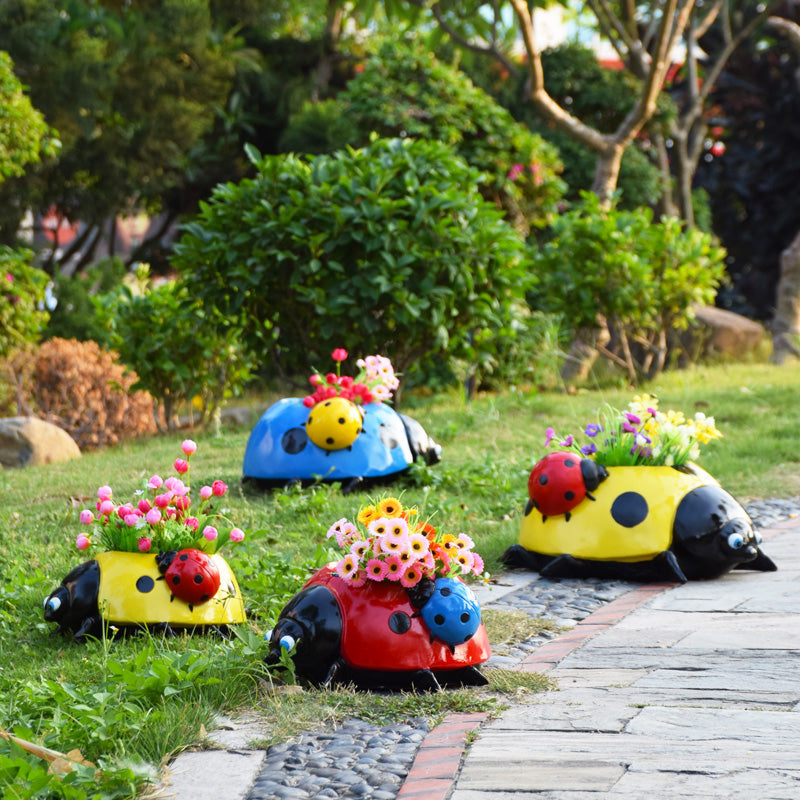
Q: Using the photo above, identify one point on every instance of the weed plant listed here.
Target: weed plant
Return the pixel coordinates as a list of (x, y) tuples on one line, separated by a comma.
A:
[(130, 704)]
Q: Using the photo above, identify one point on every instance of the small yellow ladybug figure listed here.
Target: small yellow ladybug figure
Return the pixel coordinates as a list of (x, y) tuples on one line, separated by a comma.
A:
[(334, 424)]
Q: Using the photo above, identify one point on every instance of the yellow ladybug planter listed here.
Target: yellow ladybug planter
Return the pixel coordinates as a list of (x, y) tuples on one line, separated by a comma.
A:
[(119, 591), (158, 567), (587, 517)]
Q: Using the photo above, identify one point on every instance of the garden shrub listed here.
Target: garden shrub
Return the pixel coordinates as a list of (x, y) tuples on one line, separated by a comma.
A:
[(643, 277), (404, 91), (85, 391), (389, 249), (22, 288), (168, 338)]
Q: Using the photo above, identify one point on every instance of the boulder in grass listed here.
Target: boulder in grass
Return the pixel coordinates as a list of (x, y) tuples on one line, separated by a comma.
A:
[(28, 441)]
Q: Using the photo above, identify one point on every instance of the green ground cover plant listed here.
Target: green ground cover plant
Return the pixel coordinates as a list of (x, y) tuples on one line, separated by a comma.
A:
[(129, 705)]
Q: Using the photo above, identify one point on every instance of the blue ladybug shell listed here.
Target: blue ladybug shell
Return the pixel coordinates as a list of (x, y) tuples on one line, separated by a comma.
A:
[(453, 613), (279, 449)]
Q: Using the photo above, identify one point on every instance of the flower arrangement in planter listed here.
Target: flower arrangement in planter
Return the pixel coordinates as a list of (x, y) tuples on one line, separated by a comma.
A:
[(163, 515), (343, 431), (393, 612), (157, 563), (631, 503), (640, 434)]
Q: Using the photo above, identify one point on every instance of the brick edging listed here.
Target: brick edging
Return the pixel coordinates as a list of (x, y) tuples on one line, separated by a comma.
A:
[(438, 759)]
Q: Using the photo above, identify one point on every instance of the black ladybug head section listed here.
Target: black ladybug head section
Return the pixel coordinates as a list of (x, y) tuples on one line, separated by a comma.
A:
[(164, 559), (419, 594), (593, 474)]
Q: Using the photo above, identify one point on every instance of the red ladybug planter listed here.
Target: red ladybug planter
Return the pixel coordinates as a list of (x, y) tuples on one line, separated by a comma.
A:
[(382, 636)]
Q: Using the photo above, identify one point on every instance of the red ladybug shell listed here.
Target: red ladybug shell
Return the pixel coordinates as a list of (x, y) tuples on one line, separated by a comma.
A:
[(556, 484), (380, 631), (192, 577)]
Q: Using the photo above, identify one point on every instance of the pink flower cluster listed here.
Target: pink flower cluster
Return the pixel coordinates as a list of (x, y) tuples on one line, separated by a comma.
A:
[(164, 520), (374, 383), (396, 548)]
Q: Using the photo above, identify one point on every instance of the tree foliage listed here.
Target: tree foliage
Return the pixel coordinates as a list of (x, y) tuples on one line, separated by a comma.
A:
[(22, 288), (643, 277), (402, 90), (389, 249)]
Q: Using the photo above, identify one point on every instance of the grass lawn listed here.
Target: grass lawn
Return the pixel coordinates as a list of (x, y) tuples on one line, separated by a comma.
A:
[(128, 705)]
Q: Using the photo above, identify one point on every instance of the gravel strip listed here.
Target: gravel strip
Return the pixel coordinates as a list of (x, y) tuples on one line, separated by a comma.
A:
[(361, 760)]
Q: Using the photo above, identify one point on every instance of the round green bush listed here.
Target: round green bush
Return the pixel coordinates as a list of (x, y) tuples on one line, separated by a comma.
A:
[(389, 249)]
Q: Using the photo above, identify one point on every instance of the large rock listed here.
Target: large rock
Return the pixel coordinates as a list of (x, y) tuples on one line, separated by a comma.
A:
[(27, 441), (717, 332)]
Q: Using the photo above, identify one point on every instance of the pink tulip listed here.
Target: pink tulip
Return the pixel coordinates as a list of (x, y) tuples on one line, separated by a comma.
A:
[(106, 508), (144, 506), (237, 534), (87, 518), (339, 354), (82, 542), (145, 544), (163, 500), (188, 446), (181, 466), (192, 522), (182, 503), (219, 488), (131, 520), (210, 532), (155, 482), (104, 492), (153, 516), (206, 492), (124, 510)]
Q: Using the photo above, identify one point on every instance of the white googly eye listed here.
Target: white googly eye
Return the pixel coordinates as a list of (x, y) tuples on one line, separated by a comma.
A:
[(52, 603), (287, 642), (736, 541)]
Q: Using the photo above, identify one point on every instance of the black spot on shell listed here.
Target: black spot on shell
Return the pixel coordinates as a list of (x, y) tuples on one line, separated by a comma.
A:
[(294, 440), (465, 616), (446, 591), (543, 480), (145, 584), (176, 579), (183, 557), (629, 509), (569, 462), (569, 495), (399, 622), (439, 619), (198, 579)]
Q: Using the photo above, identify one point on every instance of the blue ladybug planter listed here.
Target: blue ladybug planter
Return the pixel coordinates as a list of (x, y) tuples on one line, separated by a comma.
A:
[(381, 635), (336, 440)]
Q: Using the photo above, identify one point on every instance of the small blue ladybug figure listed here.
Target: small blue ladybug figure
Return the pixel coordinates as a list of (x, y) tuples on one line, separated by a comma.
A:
[(452, 612)]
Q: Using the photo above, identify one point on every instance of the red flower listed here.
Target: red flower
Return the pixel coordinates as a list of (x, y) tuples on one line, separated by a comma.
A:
[(339, 354)]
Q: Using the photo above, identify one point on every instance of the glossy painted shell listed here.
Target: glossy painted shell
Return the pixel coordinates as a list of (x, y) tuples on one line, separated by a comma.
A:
[(646, 523), (280, 450), (375, 635), (127, 590)]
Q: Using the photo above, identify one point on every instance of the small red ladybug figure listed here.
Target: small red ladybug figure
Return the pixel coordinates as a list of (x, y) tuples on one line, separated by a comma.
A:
[(560, 481), (190, 575)]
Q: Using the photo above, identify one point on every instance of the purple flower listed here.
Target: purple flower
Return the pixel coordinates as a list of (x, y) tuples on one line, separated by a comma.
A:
[(548, 436), (628, 428), (593, 430), (633, 418), (568, 441), (588, 449)]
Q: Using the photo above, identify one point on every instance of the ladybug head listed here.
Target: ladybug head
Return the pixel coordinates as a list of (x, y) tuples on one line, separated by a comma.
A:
[(593, 473), (164, 559), (57, 605)]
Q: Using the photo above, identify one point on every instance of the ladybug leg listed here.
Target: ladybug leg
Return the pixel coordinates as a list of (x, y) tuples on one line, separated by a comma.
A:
[(424, 680), (335, 669), (352, 485), (91, 626)]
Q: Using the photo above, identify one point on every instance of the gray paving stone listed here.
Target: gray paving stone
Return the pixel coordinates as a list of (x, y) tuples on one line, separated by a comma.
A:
[(211, 775)]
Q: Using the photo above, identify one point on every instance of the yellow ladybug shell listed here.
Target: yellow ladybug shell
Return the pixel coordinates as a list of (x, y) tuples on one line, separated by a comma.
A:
[(133, 592), (592, 532)]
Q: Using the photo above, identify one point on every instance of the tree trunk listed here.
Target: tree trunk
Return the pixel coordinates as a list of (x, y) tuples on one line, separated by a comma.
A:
[(786, 322)]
